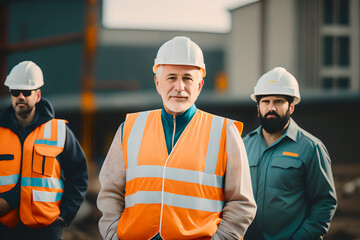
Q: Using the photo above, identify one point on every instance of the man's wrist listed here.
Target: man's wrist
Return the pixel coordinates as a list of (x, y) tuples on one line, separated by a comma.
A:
[(62, 220)]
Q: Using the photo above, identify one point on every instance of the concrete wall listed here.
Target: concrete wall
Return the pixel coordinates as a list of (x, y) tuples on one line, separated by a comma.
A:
[(243, 63), (355, 45), (261, 40), (281, 34)]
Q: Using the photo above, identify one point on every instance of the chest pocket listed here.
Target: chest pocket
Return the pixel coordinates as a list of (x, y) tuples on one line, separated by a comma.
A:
[(285, 162), (285, 173), (253, 162), (44, 159)]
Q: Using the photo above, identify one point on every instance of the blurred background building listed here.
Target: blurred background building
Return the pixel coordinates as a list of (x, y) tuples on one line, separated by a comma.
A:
[(96, 72)]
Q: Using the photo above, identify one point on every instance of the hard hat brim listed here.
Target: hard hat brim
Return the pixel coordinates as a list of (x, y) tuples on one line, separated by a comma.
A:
[(155, 67), (24, 87), (253, 97)]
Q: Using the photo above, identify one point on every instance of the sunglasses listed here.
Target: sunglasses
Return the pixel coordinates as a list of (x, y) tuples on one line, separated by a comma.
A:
[(16, 93)]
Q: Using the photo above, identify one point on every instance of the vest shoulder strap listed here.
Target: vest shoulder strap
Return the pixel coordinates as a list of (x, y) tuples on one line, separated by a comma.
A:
[(50, 140)]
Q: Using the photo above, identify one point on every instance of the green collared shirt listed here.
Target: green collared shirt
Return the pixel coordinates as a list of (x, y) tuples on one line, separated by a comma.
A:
[(292, 184), (175, 125)]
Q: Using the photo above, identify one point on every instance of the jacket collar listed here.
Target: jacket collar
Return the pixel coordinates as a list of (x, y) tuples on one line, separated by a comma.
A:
[(292, 130), (181, 119)]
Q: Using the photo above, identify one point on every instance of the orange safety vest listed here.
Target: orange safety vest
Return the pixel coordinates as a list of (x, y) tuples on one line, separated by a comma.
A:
[(35, 162), (178, 195)]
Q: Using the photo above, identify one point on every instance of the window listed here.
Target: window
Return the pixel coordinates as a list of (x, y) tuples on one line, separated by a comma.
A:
[(328, 51), (335, 72), (336, 12), (336, 51), (327, 83), (328, 11), (341, 83), (343, 51), (343, 17)]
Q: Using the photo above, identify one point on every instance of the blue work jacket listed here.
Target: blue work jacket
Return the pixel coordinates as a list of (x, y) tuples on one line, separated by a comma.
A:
[(292, 184)]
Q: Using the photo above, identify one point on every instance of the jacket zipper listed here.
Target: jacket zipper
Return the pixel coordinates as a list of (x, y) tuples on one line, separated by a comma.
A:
[(173, 136)]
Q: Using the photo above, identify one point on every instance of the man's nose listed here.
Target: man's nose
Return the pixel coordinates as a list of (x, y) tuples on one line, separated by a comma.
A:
[(272, 106), (179, 85)]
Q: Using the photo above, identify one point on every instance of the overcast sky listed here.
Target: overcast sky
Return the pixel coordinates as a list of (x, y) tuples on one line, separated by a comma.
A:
[(183, 15)]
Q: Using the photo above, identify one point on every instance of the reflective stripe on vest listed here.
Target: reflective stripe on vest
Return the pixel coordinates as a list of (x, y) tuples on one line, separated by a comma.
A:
[(6, 180), (42, 182), (136, 134), (47, 135), (175, 174), (175, 200), (41, 196), (214, 143)]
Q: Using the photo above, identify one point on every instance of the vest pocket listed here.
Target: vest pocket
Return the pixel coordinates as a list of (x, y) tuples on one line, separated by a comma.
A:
[(43, 164), (44, 206)]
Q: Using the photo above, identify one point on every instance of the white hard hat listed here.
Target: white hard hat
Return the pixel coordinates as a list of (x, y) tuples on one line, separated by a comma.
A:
[(180, 51), (25, 76), (278, 81)]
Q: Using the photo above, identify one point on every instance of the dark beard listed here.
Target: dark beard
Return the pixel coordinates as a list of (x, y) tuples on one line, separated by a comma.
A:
[(24, 111), (273, 125)]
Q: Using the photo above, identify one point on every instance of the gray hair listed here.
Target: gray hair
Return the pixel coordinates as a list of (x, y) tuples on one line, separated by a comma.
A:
[(159, 71)]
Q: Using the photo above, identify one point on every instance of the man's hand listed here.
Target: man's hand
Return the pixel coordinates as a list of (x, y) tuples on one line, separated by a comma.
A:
[(62, 220), (4, 207)]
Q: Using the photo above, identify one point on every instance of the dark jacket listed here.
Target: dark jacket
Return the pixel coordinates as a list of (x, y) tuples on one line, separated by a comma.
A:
[(72, 161)]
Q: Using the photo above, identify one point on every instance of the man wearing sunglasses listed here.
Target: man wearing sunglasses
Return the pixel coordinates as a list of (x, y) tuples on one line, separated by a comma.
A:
[(43, 170)]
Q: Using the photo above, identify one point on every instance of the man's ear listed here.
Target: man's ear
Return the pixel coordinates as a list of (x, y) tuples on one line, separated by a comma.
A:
[(156, 81), (201, 84), (292, 108), (38, 93)]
